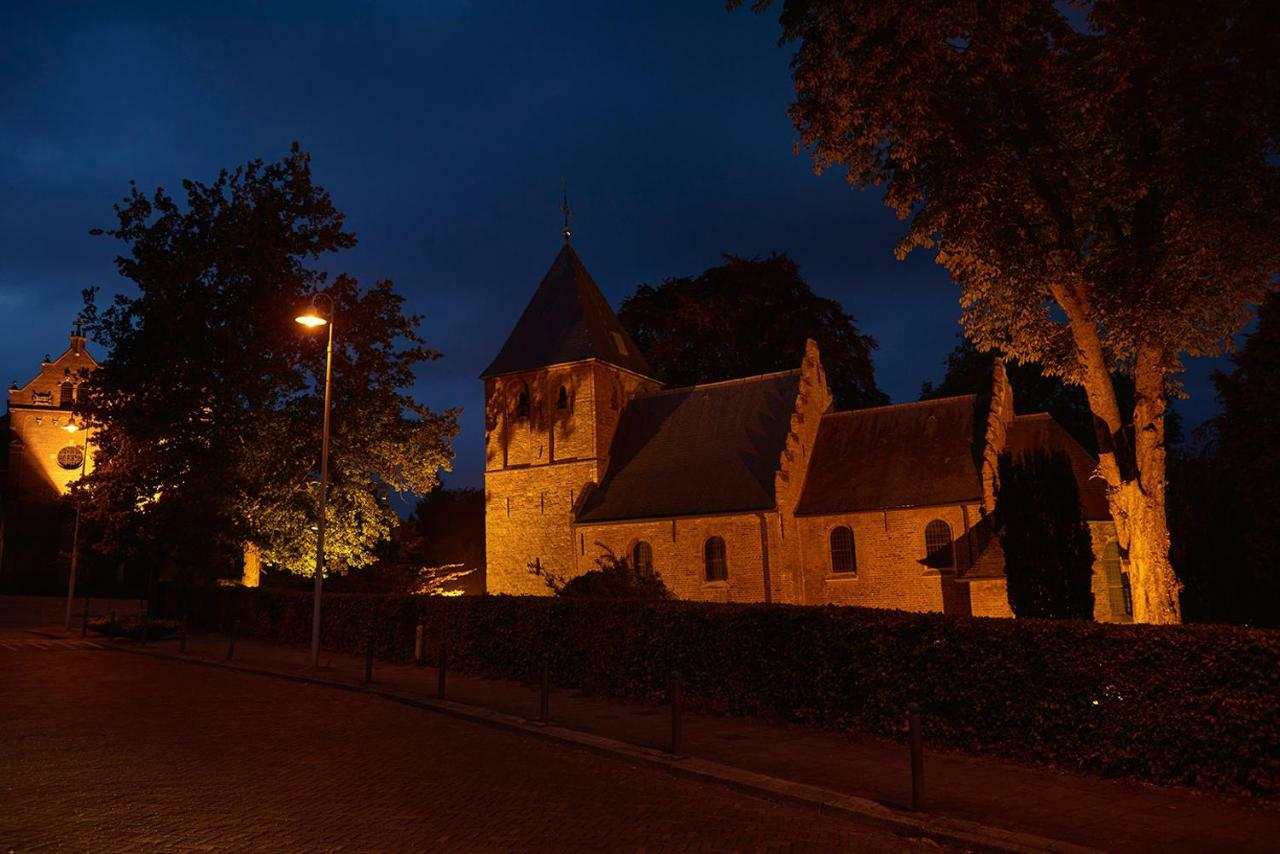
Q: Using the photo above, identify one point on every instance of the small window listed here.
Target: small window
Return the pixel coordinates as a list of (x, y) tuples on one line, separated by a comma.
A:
[(642, 557), (562, 398), (713, 555), (522, 403), (843, 557), (937, 545), (67, 396)]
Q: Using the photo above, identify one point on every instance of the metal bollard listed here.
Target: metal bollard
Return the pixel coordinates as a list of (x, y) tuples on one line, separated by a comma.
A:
[(676, 734), (917, 754), (84, 624), (231, 641), (368, 659), (420, 644), (444, 668), (111, 627), (182, 639), (544, 701)]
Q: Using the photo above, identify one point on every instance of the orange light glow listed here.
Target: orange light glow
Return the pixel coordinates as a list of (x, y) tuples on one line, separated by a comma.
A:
[(311, 320), (71, 427)]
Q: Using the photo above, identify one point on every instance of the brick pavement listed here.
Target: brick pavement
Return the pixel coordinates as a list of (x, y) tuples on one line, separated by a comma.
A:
[(103, 751), (1084, 810)]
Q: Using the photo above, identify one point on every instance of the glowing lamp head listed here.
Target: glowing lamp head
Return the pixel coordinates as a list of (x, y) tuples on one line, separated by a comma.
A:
[(311, 319), (71, 426)]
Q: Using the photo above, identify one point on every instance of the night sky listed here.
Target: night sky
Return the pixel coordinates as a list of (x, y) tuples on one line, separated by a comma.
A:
[(442, 129)]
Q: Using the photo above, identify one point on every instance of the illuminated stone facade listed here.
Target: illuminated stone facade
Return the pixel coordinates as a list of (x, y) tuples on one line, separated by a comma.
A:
[(43, 459), (751, 490)]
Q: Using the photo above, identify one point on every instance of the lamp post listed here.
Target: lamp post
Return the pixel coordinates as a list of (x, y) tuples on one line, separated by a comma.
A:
[(72, 427), (312, 319)]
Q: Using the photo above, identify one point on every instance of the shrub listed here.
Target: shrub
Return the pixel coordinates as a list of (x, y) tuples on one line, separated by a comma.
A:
[(134, 627), (1191, 705)]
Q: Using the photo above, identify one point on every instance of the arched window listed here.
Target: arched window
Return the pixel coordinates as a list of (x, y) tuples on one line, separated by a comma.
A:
[(843, 557), (562, 399), (67, 396), (713, 555), (937, 545), (522, 403), (642, 557)]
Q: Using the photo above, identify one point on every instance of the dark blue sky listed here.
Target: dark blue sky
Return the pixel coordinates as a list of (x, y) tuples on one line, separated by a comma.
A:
[(442, 129)]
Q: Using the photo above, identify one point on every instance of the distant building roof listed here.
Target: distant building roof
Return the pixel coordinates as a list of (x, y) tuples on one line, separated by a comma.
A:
[(906, 455), (1040, 432), (567, 320), (700, 450)]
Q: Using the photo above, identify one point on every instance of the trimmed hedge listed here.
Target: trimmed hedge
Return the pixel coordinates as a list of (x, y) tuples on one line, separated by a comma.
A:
[(1189, 705)]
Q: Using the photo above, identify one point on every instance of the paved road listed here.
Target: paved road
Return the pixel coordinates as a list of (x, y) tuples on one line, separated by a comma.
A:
[(102, 750)]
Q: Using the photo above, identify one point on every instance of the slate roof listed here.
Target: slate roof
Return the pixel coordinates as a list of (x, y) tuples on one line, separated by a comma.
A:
[(567, 320), (700, 450), (906, 455), (1029, 433)]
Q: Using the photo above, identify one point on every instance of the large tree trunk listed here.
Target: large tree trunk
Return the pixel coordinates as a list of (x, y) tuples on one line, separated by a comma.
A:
[(1134, 472)]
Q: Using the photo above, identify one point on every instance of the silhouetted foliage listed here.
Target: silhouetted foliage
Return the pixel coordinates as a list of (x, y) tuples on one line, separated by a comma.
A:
[(745, 317), (446, 527), (1048, 552), (1225, 493), (613, 578)]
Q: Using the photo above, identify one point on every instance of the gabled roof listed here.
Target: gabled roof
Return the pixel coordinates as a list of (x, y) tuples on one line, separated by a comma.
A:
[(567, 320), (701, 450), (1040, 432), (906, 455)]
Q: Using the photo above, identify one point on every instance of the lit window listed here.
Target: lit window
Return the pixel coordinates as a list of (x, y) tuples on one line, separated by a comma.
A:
[(642, 557), (937, 545), (843, 557), (713, 555)]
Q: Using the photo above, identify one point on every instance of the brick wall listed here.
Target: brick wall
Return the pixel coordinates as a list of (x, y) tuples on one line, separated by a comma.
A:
[(538, 465), (890, 554), (678, 544)]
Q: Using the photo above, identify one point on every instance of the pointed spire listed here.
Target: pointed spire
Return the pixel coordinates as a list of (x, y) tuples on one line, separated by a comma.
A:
[(564, 208)]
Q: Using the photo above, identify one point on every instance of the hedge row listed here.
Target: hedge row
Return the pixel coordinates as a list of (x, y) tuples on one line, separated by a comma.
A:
[(1190, 705)]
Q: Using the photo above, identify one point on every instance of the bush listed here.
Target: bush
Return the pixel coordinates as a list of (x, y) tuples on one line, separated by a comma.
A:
[(134, 627), (1191, 705)]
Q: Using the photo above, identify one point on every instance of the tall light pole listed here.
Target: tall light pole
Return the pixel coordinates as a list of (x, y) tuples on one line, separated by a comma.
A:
[(311, 320), (72, 427)]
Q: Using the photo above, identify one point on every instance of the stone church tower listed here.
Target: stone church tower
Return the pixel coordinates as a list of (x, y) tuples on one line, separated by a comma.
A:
[(553, 396)]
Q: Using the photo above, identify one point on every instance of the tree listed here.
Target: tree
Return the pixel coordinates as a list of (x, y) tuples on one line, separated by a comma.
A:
[(745, 317), (207, 408), (1105, 195), (1225, 494), (613, 578), (1048, 552)]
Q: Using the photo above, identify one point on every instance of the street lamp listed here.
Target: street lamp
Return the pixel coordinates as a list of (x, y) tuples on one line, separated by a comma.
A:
[(311, 319), (72, 427)]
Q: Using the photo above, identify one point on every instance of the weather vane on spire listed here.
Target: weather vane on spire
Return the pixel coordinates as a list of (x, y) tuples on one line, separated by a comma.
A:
[(564, 207)]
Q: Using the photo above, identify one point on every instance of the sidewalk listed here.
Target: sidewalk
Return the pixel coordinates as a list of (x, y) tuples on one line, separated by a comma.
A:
[(1103, 814)]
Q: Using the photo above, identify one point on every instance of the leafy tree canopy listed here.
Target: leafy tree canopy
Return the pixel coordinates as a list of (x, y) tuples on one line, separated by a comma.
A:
[(208, 407), (745, 317)]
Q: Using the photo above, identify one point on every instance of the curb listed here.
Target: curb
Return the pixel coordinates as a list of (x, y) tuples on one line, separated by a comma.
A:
[(969, 834)]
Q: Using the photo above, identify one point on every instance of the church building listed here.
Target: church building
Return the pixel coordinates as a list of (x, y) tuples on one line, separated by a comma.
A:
[(754, 489), (46, 451)]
